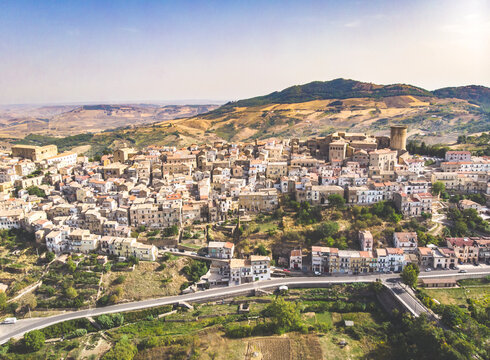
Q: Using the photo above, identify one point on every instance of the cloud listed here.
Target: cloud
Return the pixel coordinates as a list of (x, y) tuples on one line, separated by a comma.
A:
[(132, 30), (353, 24)]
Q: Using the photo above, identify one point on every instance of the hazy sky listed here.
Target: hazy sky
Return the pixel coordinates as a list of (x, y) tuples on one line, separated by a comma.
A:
[(76, 51)]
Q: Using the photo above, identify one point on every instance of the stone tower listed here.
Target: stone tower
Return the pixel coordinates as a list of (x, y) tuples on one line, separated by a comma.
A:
[(398, 138)]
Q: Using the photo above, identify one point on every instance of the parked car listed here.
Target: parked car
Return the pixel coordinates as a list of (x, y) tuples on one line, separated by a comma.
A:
[(286, 270), (462, 271), (428, 269), (194, 253), (317, 273)]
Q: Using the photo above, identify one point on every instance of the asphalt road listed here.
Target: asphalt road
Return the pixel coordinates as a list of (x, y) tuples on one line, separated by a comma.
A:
[(25, 325)]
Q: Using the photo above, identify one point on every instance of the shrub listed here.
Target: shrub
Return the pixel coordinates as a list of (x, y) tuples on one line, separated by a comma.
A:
[(119, 280), (236, 331), (34, 340), (76, 333), (123, 350)]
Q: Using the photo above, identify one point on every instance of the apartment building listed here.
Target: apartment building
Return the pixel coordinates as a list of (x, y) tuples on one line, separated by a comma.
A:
[(221, 249), (296, 259), (266, 200), (366, 240), (407, 241), (465, 249)]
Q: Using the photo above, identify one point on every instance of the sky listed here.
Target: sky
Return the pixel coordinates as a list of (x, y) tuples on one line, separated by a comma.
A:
[(128, 51)]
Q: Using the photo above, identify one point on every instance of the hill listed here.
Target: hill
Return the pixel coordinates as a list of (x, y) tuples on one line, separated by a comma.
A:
[(17, 121), (314, 109), (476, 94), (334, 89)]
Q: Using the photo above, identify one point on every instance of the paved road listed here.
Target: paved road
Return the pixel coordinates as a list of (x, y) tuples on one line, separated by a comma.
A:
[(25, 325)]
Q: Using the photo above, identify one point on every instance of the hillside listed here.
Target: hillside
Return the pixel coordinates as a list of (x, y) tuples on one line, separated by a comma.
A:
[(473, 93), (334, 89), (314, 109), (17, 121)]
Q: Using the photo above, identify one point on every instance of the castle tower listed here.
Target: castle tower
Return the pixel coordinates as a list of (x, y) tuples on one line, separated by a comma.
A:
[(398, 138)]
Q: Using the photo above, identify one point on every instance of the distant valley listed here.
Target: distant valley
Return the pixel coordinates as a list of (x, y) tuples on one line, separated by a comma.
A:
[(18, 121)]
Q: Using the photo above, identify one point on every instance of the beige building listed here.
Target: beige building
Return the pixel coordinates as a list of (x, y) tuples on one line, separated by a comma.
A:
[(34, 153), (124, 154), (156, 216), (276, 170), (465, 249), (262, 200), (337, 151), (383, 159)]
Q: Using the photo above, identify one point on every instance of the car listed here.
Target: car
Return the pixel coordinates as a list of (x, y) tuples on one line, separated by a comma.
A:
[(181, 250), (11, 320), (462, 271), (194, 253), (317, 273), (286, 270), (208, 256), (428, 269)]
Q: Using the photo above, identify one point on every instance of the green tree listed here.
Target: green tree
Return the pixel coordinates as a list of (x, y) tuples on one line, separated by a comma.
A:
[(377, 286), (261, 250), (34, 190), (123, 350), (71, 266), (34, 340), (71, 293), (327, 229), (438, 188), (285, 315), (3, 301), (336, 201), (410, 275), (50, 256)]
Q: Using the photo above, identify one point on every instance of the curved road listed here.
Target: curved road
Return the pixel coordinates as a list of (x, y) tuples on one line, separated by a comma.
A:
[(26, 325)]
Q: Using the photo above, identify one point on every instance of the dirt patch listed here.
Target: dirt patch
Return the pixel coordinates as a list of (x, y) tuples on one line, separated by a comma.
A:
[(148, 281), (94, 348), (269, 348)]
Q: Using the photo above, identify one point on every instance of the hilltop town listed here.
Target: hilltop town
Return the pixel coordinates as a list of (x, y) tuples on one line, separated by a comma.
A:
[(144, 203)]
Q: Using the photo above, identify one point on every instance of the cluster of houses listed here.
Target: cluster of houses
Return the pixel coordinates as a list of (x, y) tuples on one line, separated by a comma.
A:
[(227, 270), (405, 250), (85, 205)]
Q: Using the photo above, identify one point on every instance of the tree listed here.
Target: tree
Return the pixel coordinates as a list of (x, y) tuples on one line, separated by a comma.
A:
[(336, 201), (261, 250), (284, 315), (34, 190), (3, 301), (438, 188), (123, 350), (410, 275), (34, 340), (71, 266), (50, 256), (377, 286), (71, 293), (327, 229)]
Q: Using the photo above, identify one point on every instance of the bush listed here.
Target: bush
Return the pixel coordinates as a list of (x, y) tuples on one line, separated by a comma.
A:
[(76, 333), (67, 327), (34, 340), (236, 331), (123, 350), (50, 256), (110, 321), (119, 280)]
